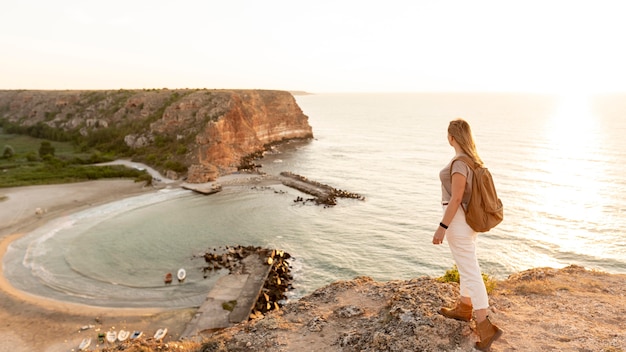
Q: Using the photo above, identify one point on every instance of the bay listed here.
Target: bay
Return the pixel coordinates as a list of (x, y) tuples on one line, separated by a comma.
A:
[(558, 163)]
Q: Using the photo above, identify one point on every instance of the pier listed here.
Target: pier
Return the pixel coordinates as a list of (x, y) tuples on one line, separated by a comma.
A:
[(323, 194), (205, 189), (232, 299)]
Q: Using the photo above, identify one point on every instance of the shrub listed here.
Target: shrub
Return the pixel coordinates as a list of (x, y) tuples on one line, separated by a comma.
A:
[(452, 275), (97, 157), (181, 150), (145, 177), (8, 152), (46, 149), (538, 287), (54, 163), (152, 158), (32, 157), (229, 306), (175, 166), (162, 141)]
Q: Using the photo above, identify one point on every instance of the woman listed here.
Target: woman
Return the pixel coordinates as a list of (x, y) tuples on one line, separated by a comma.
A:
[(456, 186)]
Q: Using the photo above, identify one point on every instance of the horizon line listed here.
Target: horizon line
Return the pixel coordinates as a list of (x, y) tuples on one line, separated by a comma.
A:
[(307, 92)]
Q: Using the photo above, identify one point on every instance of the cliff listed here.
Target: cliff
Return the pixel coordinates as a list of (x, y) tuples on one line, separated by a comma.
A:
[(542, 309), (198, 133)]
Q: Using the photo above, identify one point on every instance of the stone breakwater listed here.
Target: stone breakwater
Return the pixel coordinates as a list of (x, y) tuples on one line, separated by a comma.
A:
[(322, 193), (199, 134), (278, 281)]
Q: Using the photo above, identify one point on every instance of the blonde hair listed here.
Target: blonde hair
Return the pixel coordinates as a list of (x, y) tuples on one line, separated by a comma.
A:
[(460, 130)]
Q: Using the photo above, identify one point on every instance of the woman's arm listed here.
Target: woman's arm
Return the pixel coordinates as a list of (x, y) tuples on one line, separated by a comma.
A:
[(458, 188)]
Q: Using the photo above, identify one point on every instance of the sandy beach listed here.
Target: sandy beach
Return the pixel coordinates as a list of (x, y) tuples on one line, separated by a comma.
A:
[(30, 323)]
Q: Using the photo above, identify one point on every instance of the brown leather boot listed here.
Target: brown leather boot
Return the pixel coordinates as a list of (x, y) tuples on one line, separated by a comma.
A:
[(461, 311), (488, 333)]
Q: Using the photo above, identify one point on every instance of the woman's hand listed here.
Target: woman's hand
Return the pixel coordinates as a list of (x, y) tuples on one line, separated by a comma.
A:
[(440, 233)]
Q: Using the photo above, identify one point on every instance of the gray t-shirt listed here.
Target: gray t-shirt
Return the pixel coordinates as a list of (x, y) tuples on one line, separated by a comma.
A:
[(446, 180)]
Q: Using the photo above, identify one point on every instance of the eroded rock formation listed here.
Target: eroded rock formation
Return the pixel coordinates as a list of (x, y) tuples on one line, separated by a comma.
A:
[(206, 133), (542, 309)]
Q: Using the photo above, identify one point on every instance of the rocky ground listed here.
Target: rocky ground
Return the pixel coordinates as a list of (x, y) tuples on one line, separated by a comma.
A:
[(542, 309)]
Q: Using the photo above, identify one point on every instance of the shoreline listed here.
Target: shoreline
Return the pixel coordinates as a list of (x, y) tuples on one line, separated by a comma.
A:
[(58, 324), (35, 323)]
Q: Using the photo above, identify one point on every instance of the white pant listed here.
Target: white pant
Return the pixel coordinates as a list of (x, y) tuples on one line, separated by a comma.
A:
[(462, 241)]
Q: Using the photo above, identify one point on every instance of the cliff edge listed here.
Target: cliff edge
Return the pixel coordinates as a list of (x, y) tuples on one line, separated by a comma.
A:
[(197, 133), (543, 309)]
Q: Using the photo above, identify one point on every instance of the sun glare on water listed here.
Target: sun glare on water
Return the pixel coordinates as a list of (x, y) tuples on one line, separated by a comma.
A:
[(568, 187), (572, 119), (573, 134)]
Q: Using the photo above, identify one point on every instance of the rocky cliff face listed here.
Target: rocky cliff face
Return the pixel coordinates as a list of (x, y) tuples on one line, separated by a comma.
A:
[(542, 309), (207, 131)]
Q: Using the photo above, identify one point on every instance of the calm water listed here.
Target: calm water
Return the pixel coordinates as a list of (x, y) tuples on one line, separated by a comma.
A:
[(559, 166)]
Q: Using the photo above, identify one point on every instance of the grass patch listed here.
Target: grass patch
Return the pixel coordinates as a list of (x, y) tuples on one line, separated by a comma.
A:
[(550, 286), (546, 286), (26, 166), (23, 145), (44, 174), (229, 306), (535, 287), (453, 275)]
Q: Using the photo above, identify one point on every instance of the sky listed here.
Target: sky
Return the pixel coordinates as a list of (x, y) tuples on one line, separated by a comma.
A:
[(315, 45)]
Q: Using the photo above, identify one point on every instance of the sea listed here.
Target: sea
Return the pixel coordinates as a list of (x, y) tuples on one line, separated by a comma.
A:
[(559, 164)]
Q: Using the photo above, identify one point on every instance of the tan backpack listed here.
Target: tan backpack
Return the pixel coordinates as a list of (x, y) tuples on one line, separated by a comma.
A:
[(484, 210)]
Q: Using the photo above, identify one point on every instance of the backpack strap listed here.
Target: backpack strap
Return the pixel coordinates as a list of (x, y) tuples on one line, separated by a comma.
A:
[(467, 161)]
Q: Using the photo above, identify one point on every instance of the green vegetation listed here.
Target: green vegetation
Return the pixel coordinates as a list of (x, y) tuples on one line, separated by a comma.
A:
[(165, 151), (46, 150), (34, 161), (44, 154), (58, 172), (8, 152), (452, 275), (23, 145), (229, 306)]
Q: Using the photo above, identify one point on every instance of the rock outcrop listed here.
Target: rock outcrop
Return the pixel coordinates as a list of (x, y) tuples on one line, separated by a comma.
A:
[(542, 309), (206, 133)]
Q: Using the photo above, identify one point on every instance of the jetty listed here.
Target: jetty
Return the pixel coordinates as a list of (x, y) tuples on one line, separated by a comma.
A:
[(232, 299), (205, 189), (322, 193)]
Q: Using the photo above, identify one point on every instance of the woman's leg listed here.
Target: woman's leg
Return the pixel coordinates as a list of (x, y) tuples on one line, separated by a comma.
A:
[(481, 314), (461, 239), (462, 242)]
